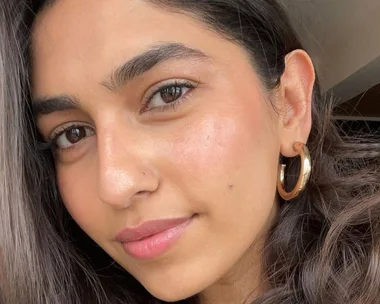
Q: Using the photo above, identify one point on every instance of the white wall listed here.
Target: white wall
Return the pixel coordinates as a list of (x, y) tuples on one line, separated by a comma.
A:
[(342, 36)]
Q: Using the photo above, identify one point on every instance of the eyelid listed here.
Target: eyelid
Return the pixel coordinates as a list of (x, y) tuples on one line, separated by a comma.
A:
[(63, 127), (156, 88), (167, 83)]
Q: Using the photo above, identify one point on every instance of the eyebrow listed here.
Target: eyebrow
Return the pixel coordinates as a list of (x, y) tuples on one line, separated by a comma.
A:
[(147, 60), (48, 105), (131, 69)]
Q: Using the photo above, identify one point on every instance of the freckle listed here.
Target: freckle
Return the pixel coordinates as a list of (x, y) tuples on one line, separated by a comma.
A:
[(230, 186), (144, 173)]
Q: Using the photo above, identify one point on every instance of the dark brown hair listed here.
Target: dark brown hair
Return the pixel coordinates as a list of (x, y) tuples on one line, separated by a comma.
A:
[(323, 248)]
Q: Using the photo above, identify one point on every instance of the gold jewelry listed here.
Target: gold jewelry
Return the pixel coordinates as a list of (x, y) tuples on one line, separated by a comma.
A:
[(304, 176)]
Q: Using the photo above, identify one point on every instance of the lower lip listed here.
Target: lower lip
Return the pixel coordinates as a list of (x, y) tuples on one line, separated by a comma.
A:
[(157, 244)]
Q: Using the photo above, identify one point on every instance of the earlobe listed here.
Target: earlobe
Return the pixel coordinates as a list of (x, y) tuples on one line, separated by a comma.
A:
[(297, 83)]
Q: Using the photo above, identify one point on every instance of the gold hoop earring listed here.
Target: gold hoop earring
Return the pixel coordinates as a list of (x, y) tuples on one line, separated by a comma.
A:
[(304, 176)]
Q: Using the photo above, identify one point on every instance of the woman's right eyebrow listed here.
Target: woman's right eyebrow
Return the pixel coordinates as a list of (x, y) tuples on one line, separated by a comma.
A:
[(126, 72), (45, 106)]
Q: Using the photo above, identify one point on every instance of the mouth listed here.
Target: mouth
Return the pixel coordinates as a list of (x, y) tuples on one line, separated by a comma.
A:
[(151, 239)]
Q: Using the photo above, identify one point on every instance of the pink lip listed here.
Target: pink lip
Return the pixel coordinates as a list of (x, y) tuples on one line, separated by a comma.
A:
[(151, 239)]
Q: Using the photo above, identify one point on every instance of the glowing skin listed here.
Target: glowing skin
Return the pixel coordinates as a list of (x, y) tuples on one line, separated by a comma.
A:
[(215, 155)]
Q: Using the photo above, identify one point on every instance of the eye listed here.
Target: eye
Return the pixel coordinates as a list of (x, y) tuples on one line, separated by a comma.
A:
[(168, 94), (71, 135)]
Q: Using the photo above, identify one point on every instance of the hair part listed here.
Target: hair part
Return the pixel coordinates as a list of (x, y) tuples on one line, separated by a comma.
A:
[(323, 248)]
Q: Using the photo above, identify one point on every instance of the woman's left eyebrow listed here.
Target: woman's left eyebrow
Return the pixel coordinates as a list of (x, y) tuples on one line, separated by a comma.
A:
[(145, 61)]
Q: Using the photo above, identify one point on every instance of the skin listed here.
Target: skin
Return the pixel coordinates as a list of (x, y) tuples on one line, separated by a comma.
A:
[(215, 155)]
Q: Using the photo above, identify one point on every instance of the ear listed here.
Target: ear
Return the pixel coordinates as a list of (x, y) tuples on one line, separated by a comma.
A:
[(295, 100)]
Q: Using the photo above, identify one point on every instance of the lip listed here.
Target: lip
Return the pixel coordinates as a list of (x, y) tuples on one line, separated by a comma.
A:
[(152, 238)]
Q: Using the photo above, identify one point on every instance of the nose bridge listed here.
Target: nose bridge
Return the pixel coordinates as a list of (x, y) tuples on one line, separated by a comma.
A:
[(124, 172)]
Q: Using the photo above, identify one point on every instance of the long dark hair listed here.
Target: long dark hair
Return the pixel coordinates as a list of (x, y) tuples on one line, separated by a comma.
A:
[(323, 248)]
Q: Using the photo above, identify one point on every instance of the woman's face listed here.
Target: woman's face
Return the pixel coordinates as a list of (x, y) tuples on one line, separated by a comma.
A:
[(155, 117)]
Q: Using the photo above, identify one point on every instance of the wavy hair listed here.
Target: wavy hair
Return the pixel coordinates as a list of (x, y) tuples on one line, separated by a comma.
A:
[(323, 248)]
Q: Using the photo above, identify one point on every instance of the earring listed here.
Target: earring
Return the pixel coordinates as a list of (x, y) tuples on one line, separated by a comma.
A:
[(304, 176)]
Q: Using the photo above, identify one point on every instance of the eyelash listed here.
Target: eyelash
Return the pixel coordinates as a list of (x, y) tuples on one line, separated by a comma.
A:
[(52, 143), (171, 106)]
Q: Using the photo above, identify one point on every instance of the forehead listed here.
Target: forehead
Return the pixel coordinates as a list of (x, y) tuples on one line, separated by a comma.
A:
[(82, 22), (72, 37), (77, 35), (77, 42)]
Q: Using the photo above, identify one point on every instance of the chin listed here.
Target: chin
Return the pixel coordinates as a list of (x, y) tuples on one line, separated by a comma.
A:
[(172, 289), (171, 294)]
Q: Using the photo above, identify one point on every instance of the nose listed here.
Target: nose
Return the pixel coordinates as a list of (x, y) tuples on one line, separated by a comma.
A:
[(125, 174)]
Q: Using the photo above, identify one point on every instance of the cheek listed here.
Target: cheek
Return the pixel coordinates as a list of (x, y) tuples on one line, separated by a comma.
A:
[(77, 187), (206, 143), (229, 156)]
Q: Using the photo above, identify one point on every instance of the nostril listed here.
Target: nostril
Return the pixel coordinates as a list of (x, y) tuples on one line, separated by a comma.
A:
[(141, 194)]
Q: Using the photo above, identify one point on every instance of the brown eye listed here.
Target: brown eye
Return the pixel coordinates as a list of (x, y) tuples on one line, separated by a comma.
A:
[(76, 134), (171, 94), (72, 136)]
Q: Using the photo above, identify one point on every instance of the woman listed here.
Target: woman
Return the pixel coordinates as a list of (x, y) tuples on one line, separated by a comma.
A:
[(143, 149)]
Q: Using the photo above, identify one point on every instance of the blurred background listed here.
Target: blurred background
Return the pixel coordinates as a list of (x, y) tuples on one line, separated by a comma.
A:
[(343, 39)]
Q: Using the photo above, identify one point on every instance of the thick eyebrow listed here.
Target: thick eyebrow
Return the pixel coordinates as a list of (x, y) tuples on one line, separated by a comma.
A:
[(45, 106), (144, 62), (126, 72)]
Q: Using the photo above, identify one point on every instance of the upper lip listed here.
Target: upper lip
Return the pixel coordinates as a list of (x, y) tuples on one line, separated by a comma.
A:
[(148, 228)]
